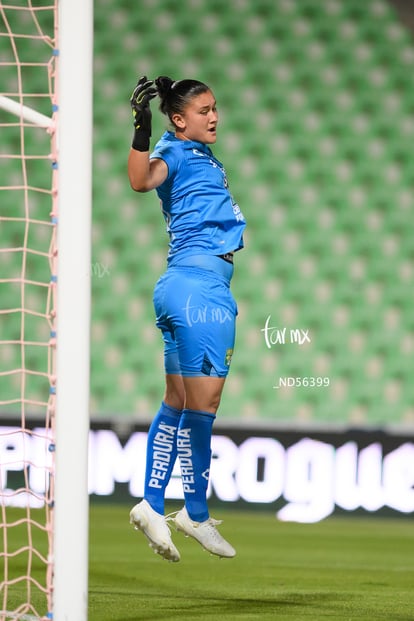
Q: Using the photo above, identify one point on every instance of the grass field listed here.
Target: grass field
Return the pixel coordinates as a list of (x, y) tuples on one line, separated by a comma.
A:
[(344, 568), (341, 568)]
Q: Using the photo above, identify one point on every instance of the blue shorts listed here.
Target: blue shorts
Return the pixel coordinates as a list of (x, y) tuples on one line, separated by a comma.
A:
[(196, 312)]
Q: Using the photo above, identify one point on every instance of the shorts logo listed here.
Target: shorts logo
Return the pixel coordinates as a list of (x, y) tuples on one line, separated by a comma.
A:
[(227, 359)]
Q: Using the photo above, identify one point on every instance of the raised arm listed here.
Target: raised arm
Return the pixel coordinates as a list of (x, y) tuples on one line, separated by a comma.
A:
[(144, 174)]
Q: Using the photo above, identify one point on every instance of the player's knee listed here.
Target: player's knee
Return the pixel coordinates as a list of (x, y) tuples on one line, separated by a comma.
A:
[(214, 403), (205, 402), (174, 401), (174, 392)]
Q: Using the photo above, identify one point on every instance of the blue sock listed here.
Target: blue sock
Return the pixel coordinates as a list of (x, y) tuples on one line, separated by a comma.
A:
[(161, 455), (194, 451)]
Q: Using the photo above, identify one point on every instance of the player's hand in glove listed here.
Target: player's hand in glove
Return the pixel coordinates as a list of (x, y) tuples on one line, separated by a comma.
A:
[(144, 91)]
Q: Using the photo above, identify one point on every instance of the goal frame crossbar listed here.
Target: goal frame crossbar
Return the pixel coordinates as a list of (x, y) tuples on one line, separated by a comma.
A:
[(25, 112)]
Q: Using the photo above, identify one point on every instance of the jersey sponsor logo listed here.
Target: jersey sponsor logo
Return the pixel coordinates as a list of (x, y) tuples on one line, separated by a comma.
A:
[(237, 211), (200, 153), (216, 164)]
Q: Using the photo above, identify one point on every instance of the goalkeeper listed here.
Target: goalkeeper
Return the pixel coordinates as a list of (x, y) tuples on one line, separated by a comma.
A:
[(194, 307)]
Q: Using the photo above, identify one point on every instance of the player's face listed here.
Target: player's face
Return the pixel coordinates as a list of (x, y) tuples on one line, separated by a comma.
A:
[(199, 120)]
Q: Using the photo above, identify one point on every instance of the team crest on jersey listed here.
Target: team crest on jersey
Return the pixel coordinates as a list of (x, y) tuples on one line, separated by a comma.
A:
[(227, 359)]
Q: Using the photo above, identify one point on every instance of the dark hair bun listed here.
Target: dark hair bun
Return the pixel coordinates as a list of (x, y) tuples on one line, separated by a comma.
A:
[(174, 96), (164, 85)]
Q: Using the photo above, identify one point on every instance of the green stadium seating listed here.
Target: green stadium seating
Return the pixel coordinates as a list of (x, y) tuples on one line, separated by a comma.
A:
[(316, 135)]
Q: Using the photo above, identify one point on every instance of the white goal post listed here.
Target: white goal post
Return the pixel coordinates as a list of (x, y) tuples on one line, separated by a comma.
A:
[(73, 304), (74, 141)]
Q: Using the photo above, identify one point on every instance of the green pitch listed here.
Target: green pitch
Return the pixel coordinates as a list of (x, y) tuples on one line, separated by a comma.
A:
[(342, 568)]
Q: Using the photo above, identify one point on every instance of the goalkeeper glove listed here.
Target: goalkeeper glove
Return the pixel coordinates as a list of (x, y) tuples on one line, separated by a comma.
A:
[(140, 98)]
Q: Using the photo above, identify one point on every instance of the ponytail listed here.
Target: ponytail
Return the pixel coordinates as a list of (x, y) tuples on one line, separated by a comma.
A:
[(175, 96)]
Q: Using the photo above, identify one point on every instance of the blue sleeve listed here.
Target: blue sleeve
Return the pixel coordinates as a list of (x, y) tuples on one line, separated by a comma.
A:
[(166, 153)]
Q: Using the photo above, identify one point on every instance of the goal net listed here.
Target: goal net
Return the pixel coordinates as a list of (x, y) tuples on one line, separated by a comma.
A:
[(28, 210)]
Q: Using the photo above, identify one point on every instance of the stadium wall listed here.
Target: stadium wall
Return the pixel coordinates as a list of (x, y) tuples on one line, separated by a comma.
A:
[(300, 475)]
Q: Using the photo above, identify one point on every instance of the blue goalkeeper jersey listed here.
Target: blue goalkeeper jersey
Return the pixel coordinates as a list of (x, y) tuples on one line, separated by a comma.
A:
[(200, 212)]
